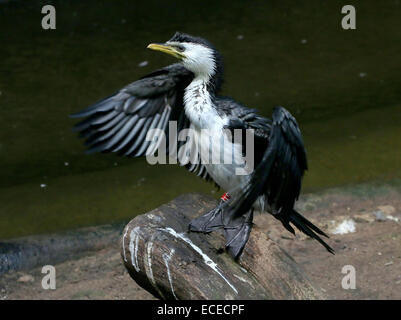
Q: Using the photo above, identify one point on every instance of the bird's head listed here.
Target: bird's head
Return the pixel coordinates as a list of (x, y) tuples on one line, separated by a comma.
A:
[(196, 54)]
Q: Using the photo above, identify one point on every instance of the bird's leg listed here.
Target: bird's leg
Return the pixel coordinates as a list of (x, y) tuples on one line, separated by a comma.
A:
[(211, 220), (236, 232)]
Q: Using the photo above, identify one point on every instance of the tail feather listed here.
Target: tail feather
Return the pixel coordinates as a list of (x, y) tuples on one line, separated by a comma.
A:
[(308, 228), (309, 224)]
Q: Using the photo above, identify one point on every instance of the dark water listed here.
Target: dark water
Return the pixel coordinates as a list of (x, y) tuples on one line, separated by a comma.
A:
[(343, 87)]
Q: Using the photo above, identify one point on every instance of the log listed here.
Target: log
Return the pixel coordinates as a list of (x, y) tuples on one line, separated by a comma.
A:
[(171, 263), (31, 252)]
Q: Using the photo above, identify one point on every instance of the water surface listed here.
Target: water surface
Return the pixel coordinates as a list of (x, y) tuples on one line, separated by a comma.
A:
[(342, 86)]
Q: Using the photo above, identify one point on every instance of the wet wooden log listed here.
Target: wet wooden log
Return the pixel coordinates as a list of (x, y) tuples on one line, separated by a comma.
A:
[(166, 260)]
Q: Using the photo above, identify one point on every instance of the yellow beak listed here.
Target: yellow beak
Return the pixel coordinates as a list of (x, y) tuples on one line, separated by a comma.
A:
[(166, 49)]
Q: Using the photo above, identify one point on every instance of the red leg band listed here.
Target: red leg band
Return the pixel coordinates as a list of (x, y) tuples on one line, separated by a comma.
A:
[(225, 197)]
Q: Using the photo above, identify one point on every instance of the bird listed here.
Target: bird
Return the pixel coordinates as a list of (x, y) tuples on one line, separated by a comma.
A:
[(188, 93)]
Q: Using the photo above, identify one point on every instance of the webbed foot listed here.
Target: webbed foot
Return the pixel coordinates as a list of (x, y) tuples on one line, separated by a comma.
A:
[(237, 233), (210, 221)]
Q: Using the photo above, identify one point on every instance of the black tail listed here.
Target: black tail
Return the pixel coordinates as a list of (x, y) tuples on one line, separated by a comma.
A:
[(305, 226)]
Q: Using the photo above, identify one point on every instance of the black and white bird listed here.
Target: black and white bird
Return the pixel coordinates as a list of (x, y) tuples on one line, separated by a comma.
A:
[(187, 92)]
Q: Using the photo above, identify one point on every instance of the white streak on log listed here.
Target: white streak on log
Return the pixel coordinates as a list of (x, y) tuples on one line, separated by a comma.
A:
[(125, 234), (148, 260), (148, 265), (206, 258), (244, 280), (133, 247), (167, 258)]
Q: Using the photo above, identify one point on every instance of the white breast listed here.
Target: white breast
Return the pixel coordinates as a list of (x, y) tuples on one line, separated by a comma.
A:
[(208, 125)]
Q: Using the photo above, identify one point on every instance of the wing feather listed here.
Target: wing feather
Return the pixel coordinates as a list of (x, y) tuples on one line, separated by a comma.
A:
[(278, 177), (120, 122)]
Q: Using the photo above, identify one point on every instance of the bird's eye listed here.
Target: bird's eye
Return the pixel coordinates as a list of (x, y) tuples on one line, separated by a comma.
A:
[(180, 48)]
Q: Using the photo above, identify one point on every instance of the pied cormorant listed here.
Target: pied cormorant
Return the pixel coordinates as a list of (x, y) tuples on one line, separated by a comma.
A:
[(187, 92)]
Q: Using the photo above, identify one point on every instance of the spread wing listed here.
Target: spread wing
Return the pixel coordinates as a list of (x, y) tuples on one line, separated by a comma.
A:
[(278, 174), (120, 122), (280, 162)]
